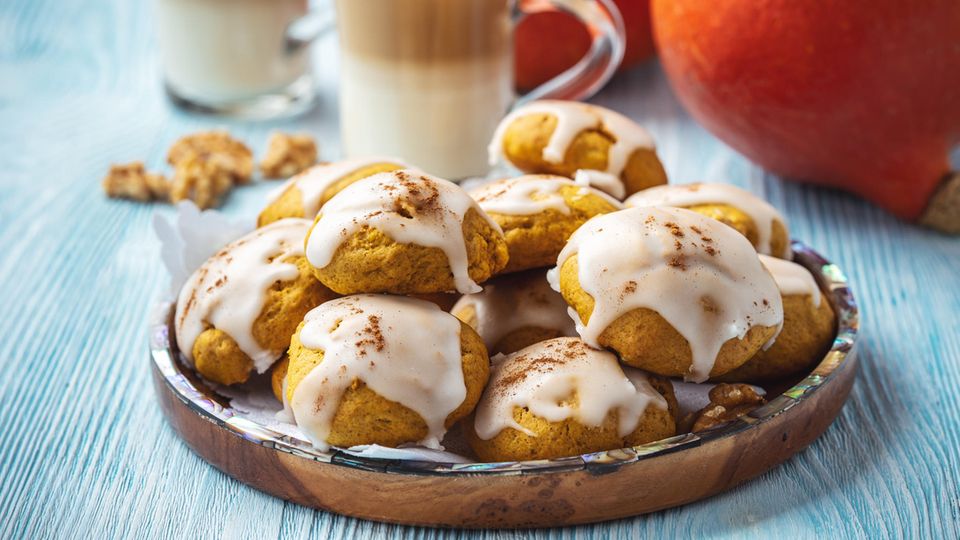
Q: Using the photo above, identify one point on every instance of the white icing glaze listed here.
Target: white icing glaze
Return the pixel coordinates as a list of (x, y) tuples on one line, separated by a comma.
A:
[(760, 211), (404, 349), (315, 181), (285, 414), (531, 194), (228, 291), (572, 118), (516, 301), (791, 278), (605, 182), (543, 378), (654, 258), (436, 210)]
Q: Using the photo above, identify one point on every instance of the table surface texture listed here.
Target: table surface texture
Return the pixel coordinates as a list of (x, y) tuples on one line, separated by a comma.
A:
[(85, 451)]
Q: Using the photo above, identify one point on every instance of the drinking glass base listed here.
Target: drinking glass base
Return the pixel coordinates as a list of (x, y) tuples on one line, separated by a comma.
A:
[(297, 98)]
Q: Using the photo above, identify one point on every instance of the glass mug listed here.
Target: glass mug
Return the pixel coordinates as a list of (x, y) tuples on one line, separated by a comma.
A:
[(245, 58), (427, 81)]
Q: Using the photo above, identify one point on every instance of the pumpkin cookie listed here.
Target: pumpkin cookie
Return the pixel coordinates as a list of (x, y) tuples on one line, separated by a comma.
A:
[(236, 313), (808, 327), (404, 232), (303, 195), (563, 398), (752, 216), (538, 213), (562, 137), (671, 291), (387, 370), (515, 311)]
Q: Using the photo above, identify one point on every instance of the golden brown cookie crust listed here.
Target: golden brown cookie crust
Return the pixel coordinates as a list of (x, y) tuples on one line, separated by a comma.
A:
[(535, 241), (645, 340), (218, 357), (365, 417), (807, 333), (527, 136), (370, 261), (290, 202), (743, 223), (569, 437)]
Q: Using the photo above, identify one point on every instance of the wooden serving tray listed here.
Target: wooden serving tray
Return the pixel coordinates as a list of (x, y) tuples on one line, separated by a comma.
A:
[(579, 489)]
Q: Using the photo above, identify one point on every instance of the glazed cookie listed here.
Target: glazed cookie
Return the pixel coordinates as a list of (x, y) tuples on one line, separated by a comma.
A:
[(404, 232), (754, 217), (387, 370), (562, 137), (671, 291), (303, 195), (538, 213), (563, 398), (515, 311), (236, 313), (808, 327)]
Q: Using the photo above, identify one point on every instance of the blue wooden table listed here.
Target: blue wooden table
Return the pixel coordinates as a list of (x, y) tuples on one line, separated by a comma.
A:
[(85, 452)]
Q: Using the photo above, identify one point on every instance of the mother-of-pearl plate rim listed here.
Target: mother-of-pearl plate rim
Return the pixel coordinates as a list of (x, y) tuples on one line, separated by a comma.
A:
[(198, 398)]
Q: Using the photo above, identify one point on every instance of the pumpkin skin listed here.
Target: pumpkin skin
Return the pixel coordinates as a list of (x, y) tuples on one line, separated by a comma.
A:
[(862, 95)]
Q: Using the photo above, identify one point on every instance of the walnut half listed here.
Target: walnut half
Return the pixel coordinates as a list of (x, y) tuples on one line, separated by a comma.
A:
[(132, 181), (203, 180), (727, 403), (231, 155), (288, 155)]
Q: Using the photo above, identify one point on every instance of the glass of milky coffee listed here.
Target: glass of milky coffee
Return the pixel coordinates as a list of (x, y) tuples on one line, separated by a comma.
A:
[(428, 80), (245, 58)]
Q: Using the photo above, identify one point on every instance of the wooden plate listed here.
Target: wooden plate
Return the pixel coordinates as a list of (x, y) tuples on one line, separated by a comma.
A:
[(579, 489)]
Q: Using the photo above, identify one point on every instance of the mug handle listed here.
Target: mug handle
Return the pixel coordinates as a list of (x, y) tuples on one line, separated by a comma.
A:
[(586, 77), (303, 31)]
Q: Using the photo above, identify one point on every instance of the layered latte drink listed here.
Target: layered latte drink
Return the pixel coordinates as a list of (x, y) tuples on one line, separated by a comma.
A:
[(425, 80)]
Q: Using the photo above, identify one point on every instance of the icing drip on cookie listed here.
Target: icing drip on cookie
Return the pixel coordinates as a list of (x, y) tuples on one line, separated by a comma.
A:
[(760, 211), (544, 377), (702, 277), (286, 414), (316, 180), (531, 194), (405, 350), (229, 290), (572, 118), (791, 278), (408, 206), (516, 301), (605, 182)]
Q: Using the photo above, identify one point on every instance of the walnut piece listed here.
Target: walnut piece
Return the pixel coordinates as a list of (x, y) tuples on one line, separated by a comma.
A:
[(231, 155), (203, 180), (288, 154), (132, 181), (727, 403)]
